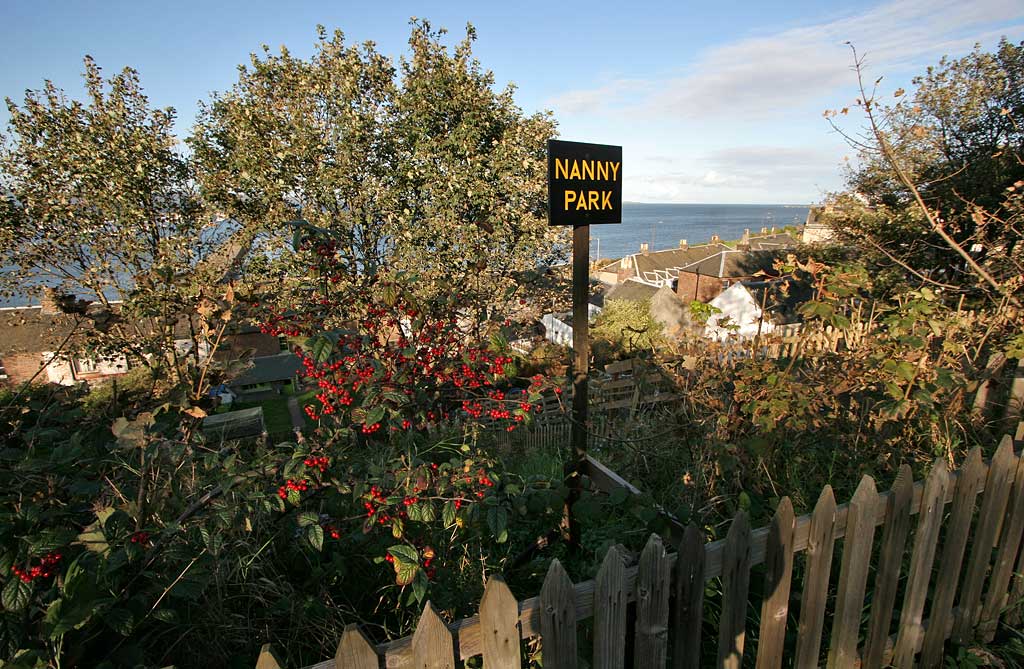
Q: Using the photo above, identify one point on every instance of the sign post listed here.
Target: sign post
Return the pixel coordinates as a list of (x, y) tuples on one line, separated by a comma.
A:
[(584, 188)]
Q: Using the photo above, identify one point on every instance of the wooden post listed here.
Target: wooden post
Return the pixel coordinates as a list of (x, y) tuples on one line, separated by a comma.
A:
[(580, 372), (820, 544), (853, 575), (558, 618), (432, 646), (777, 579), (689, 613), (971, 475), (929, 524), (610, 613), (993, 506), (890, 563), (653, 587), (735, 581), (499, 625), (354, 651)]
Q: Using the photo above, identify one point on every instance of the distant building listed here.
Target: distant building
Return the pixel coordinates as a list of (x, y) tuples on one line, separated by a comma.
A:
[(662, 268), (816, 230), (705, 280), (31, 337)]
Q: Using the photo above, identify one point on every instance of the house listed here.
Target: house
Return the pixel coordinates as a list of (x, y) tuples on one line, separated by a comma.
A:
[(706, 279), (739, 315), (662, 268), (267, 375), (657, 268), (752, 308), (816, 229), (32, 336)]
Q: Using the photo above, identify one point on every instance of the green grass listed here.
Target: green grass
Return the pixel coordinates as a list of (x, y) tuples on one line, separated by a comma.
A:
[(275, 413)]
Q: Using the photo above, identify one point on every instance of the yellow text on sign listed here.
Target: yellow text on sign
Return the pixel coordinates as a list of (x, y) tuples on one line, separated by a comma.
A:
[(602, 170), (588, 200)]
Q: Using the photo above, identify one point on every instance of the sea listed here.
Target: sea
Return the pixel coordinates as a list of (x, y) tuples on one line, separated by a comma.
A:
[(662, 226)]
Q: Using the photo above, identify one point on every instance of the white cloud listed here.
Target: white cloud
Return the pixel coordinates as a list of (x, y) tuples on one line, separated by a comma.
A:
[(742, 174), (765, 75)]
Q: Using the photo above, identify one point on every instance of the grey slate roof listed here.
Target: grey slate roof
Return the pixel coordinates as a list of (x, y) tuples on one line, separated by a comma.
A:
[(735, 264), (630, 291), (269, 368)]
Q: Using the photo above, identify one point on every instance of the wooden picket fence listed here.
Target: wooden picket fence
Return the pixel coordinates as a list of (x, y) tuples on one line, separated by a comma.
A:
[(965, 583)]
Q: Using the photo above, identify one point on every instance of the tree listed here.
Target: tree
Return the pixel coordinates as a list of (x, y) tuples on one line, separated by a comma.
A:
[(99, 204), (935, 186), (423, 169)]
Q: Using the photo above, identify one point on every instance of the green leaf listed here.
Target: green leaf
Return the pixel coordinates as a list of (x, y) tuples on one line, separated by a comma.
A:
[(618, 496), (497, 521), (374, 415), (448, 514), (307, 518), (16, 594), (315, 537), (419, 586), (120, 620)]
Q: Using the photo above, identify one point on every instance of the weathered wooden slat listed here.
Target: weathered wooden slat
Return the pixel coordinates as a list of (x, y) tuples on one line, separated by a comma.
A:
[(853, 575), (267, 658), (993, 506), (610, 612), (432, 642), (929, 523), (653, 587), (499, 625), (689, 613), (820, 544), (972, 473), (777, 579), (890, 561), (1016, 598), (558, 618), (354, 651), (1002, 570), (735, 584), (605, 479)]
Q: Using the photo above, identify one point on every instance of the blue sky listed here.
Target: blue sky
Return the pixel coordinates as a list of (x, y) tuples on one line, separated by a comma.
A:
[(712, 102)]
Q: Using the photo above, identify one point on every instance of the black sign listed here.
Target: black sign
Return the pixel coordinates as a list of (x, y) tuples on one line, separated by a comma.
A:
[(584, 183)]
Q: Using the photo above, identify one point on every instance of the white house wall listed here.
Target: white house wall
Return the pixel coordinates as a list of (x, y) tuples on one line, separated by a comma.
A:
[(742, 310)]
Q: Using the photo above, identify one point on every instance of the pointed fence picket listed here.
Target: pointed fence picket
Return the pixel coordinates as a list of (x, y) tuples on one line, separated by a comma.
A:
[(654, 614)]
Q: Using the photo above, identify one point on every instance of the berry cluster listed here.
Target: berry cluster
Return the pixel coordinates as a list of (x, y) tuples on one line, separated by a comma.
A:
[(317, 462), (416, 359), (141, 538), (301, 485), (44, 569)]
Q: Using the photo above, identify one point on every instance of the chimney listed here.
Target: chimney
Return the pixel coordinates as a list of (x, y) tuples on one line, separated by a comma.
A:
[(644, 249), (744, 244), (715, 238), (49, 302), (683, 245)]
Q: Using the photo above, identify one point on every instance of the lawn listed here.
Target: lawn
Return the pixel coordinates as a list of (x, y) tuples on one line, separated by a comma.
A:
[(275, 413)]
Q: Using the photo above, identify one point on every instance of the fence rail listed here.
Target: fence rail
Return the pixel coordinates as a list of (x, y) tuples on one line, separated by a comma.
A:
[(966, 582)]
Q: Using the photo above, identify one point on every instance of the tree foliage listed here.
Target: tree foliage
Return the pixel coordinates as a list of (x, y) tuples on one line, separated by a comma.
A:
[(100, 204), (956, 142), (421, 168)]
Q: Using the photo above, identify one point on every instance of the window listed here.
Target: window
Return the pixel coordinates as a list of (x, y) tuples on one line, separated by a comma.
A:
[(85, 366), (282, 341)]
